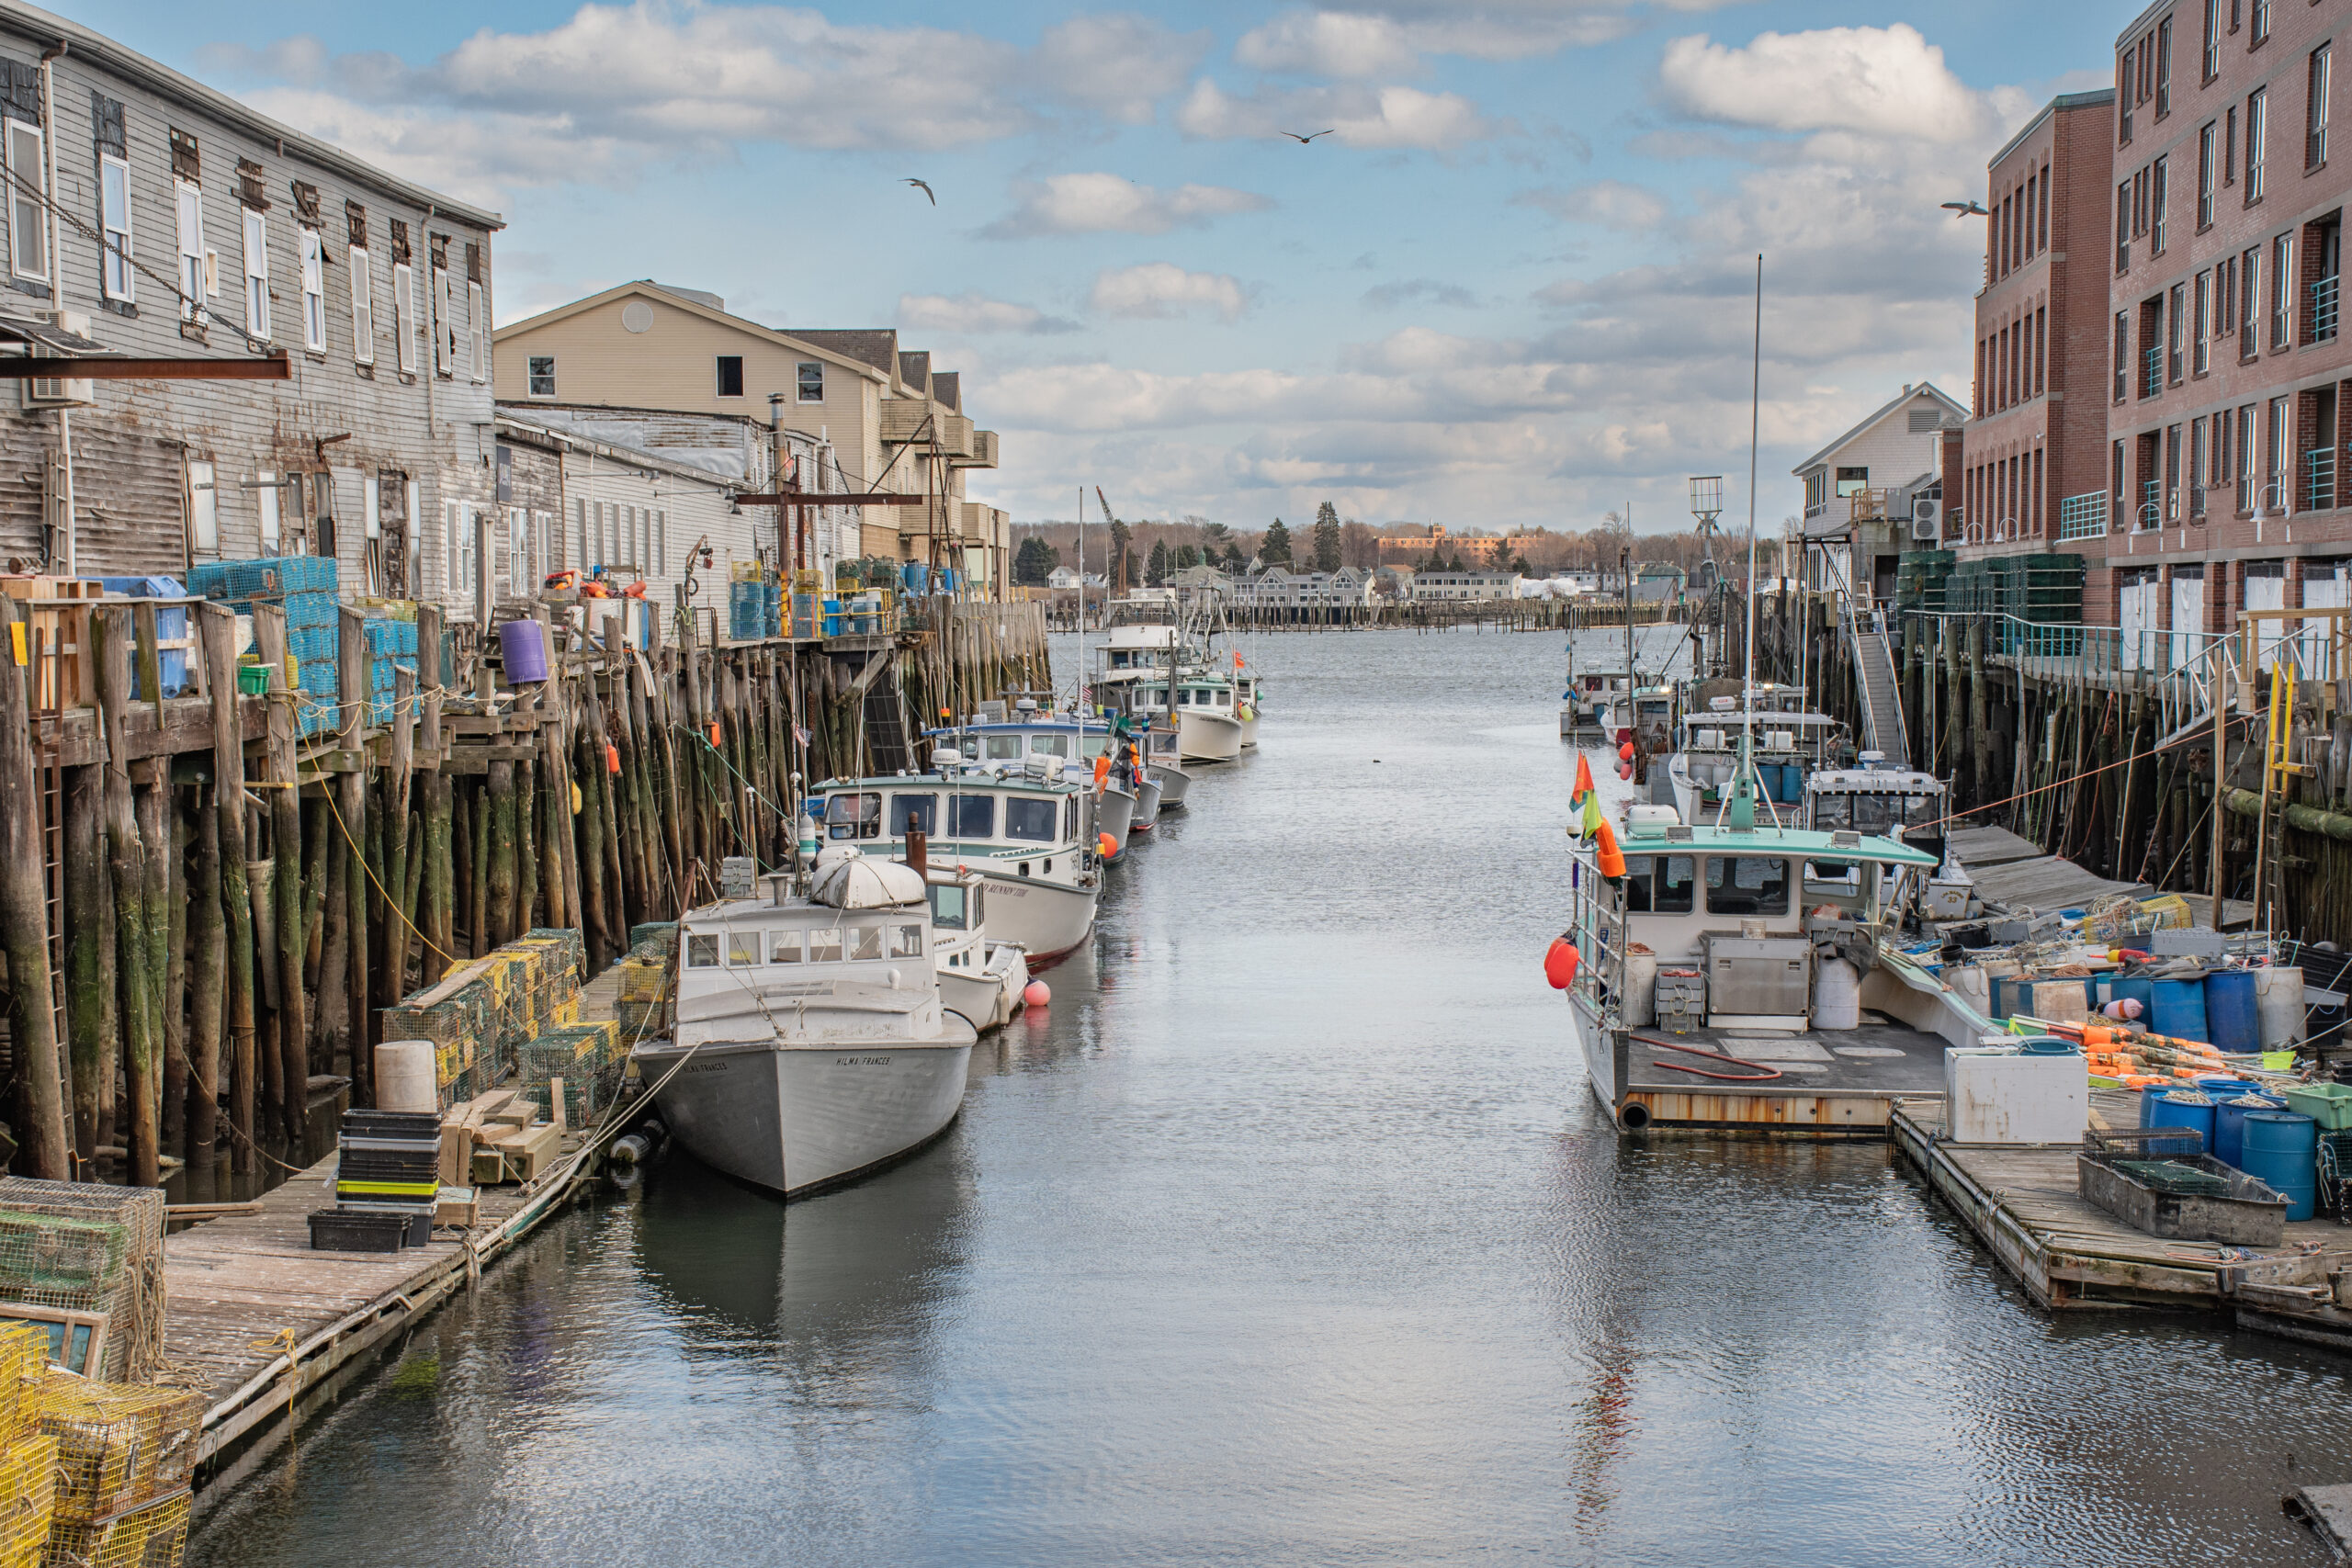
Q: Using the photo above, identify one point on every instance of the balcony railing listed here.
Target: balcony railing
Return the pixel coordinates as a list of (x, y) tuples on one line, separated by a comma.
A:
[(2319, 478), (2083, 516), (2151, 507), (2152, 372), (2323, 302)]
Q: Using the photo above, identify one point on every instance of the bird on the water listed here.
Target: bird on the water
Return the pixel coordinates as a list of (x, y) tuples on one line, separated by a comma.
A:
[(925, 188)]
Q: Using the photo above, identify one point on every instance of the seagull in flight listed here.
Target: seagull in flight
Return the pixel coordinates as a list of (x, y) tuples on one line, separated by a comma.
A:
[(1965, 209), (925, 188), (1302, 141)]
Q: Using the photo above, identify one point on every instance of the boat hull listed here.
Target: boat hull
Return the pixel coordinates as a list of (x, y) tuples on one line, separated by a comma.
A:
[(1173, 782), (1044, 918), (1146, 805), (975, 996), (1114, 812), (1208, 737), (1598, 1046), (796, 1119)]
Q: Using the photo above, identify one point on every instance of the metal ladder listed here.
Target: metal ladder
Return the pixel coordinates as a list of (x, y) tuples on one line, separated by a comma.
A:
[(1882, 697)]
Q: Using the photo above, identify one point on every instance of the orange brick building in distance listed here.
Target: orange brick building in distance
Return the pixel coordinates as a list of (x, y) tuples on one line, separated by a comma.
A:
[(1477, 550)]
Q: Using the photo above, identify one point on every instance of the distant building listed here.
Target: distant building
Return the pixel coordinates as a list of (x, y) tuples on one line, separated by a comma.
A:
[(1277, 588), (1428, 586), (1859, 489), (1061, 576), (1475, 549)]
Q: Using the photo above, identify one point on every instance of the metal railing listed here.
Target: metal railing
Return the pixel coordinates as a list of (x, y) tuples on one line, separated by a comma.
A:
[(2083, 516), (2323, 305), (2152, 507), (2319, 478), (2152, 372)]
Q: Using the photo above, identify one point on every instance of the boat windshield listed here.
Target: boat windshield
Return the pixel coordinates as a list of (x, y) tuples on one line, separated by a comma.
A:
[(971, 817), (1029, 819), (1879, 815), (1049, 746), (1003, 748), (853, 815), (919, 811), (1091, 746), (947, 908), (1660, 885)]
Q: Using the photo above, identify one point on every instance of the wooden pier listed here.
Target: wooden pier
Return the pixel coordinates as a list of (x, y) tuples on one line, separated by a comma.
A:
[(2021, 1201)]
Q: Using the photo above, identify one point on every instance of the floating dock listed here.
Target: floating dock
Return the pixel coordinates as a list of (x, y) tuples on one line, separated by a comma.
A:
[(2021, 1201), (1833, 1083)]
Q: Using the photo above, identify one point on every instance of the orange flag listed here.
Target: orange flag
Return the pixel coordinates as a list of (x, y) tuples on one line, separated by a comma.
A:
[(1584, 780)]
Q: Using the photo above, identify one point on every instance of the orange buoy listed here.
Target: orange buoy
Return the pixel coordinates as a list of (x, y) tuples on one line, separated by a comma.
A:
[(1613, 859), (612, 757), (1102, 771), (1625, 752), (1560, 963), (714, 735), (1106, 846)]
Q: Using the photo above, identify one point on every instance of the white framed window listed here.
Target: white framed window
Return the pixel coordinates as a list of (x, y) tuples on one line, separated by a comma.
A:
[(189, 204), (203, 510), (457, 519), (542, 375), (405, 315), (114, 227), (27, 208), (2258, 143), (520, 563), (266, 496), (445, 328), (662, 543), (371, 506), (363, 308), (256, 277), (314, 291), (478, 326), (808, 379), (544, 545)]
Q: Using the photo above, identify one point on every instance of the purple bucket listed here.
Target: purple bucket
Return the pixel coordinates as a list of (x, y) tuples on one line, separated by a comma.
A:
[(525, 644)]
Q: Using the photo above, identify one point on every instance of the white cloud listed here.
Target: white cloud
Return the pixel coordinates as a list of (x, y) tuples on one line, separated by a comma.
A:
[(1119, 65), (1613, 204), (1329, 43), (1159, 290), (1387, 295), (1368, 117), (1097, 203), (1880, 81), (975, 312)]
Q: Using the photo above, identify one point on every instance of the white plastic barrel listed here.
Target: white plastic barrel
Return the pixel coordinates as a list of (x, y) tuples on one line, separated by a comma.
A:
[(1837, 995), (404, 1077), (1970, 981), (2279, 1006), (1641, 984)]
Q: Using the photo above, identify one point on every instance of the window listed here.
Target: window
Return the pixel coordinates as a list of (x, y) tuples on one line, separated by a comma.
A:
[(783, 947), (28, 205), (405, 315), (2212, 64), (314, 292), (586, 554), (920, 812), (2122, 352), (458, 518), (906, 942), (2261, 23), (478, 324), (743, 950), (1662, 884), (363, 308), (864, 943), (2282, 268), (2205, 139), (2230, 147), (2123, 227), (2045, 208), (371, 505), (114, 222), (971, 817), (1049, 746), (266, 497), (853, 816), (2157, 191), (1853, 481), (203, 510), (825, 947), (2249, 303), (810, 380), (1029, 819), (541, 369), (256, 277), (523, 570), (2257, 135), (662, 543), (2315, 115), (730, 375), (2197, 470), (702, 951), (2281, 432), (2175, 365), (2204, 334), (2163, 68), (948, 905), (189, 204), (445, 323), (1748, 885), (2245, 458), (2041, 351)]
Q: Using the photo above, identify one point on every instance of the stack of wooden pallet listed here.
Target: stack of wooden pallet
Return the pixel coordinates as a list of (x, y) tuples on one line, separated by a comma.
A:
[(496, 1139)]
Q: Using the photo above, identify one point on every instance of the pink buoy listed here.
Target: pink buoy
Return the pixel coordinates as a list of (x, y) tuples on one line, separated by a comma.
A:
[(1039, 994), (2123, 1008), (1625, 770)]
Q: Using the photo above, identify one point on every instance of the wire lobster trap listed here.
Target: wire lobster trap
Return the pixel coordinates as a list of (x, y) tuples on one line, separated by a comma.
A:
[(85, 1262), (152, 1535), (28, 1497), (119, 1446), (24, 1361)]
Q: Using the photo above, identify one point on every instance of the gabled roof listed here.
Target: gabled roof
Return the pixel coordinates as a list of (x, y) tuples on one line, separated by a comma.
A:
[(645, 288), (1925, 388)]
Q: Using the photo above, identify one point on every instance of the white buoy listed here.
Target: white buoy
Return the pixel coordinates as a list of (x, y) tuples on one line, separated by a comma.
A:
[(404, 1076)]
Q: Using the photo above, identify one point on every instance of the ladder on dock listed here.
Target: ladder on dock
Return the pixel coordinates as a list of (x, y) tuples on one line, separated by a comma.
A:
[(886, 729), (1882, 697)]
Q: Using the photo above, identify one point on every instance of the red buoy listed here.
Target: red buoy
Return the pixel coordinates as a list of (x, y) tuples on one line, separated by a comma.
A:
[(1560, 963)]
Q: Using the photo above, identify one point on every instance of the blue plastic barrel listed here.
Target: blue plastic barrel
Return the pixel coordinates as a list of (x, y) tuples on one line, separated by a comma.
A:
[(2179, 1008), (524, 643), (2230, 1014), (2148, 1095), (2229, 1125), (2132, 990), (2185, 1108), (2282, 1147)]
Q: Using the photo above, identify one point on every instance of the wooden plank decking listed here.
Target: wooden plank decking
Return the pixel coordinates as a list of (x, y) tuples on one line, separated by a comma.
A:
[(2021, 1201)]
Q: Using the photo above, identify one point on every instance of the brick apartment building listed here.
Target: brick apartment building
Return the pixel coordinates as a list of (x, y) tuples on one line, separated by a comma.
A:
[(2034, 454), (2228, 373)]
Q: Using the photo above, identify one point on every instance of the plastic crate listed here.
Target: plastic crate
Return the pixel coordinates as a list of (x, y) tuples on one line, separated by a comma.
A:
[(357, 1230), (2329, 1104)]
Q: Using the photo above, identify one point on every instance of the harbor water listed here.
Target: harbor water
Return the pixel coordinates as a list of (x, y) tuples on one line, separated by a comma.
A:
[(1290, 1233)]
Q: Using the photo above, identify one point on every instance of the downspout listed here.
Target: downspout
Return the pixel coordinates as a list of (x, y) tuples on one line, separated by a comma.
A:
[(57, 288)]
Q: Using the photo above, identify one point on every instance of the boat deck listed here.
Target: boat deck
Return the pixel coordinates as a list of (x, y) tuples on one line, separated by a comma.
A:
[(2023, 1204), (1833, 1082)]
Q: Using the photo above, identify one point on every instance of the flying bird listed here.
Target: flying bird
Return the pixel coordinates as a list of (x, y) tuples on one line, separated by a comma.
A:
[(1302, 141), (921, 187), (1965, 209)]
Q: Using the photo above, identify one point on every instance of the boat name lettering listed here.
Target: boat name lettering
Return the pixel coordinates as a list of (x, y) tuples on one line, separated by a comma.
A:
[(860, 1061)]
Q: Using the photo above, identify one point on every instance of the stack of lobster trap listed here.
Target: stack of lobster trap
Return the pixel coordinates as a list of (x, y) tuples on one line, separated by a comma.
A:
[(93, 1474)]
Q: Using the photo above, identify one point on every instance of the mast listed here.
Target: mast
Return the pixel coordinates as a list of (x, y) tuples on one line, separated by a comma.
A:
[(1079, 701), (1743, 801)]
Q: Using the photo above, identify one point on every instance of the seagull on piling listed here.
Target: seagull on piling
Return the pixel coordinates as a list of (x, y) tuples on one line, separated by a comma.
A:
[(923, 188), (1302, 141)]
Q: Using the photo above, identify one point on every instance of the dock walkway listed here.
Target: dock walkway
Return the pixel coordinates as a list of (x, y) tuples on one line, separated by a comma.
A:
[(2022, 1203)]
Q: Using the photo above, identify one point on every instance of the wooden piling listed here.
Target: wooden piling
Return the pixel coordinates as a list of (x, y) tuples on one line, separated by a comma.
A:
[(41, 1091)]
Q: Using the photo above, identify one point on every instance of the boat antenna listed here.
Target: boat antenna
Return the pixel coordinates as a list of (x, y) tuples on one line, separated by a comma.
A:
[(1742, 804)]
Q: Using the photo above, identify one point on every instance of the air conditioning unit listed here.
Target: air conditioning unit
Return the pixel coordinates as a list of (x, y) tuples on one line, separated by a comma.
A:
[(50, 392), (1926, 518)]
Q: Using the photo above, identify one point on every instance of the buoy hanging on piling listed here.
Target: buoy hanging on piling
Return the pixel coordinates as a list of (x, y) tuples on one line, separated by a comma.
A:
[(1560, 963), (612, 757)]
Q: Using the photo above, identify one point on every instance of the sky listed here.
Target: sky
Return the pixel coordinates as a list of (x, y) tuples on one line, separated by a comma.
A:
[(1511, 287)]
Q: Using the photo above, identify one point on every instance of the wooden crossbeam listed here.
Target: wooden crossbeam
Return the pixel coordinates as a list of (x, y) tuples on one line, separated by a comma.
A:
[(274, 368)]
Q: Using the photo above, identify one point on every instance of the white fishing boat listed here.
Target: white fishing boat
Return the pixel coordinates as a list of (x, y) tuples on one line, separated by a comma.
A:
[(811, 1042), (1247, 693), (1028, 827), (1126, 799), (1208, 726), (1784, 748), (980, 980), (1166, 765)]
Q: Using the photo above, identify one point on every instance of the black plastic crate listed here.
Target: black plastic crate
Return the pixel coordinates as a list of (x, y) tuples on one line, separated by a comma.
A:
[(360, 1165), (416, 1215), (348, 1230), (393, 1124)]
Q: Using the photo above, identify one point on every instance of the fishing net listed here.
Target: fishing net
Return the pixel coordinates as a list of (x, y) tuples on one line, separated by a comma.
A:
[(77, 1257), (152, 1537), (28, 1497), (119, 1446)]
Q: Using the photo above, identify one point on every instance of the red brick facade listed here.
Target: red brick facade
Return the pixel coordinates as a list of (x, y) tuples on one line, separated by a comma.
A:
[(2040, 429), (2227, 394)]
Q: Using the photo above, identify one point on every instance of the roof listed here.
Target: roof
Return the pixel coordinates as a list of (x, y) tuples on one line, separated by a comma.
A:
[(692, 306), (1776, 840), (2059, 105), (544, 434), (82, 43), (1926, 389)]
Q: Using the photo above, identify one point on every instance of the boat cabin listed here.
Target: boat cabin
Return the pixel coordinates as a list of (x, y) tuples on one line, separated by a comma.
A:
[(1902, 804), (1786, 747), (743, 960)]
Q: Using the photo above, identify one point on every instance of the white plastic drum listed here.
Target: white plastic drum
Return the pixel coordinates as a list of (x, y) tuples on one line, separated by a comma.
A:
[(2279, 1006), (1641, 980), (404, 1077), (1837, 995)]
